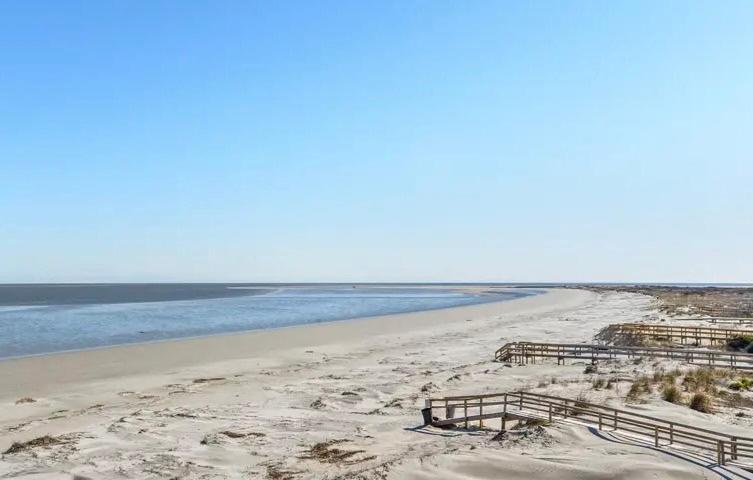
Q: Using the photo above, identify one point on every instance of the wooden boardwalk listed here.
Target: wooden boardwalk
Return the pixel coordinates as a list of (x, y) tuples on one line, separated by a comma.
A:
[(738, 320), (528, 352), (684, 334), (463, 410)]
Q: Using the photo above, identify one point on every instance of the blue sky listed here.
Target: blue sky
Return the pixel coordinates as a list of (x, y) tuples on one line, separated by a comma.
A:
[(376, 141)]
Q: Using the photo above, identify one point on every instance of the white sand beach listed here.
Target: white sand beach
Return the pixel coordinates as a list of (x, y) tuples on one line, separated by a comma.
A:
[(335, 400)]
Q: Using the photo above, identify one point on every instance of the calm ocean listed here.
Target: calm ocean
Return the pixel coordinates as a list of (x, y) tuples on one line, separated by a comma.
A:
[(36, 319)]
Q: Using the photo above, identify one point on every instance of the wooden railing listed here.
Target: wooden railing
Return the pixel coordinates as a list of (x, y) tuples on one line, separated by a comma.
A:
[(682, 333), (528, 352), (738, 320), (448, 411)]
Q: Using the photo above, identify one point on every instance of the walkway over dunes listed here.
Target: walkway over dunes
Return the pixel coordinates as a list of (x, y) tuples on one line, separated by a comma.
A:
[(525, 352), (740, 320), (522, 406)]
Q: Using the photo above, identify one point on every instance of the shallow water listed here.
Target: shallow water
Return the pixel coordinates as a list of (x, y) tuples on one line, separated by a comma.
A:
[(46, 328)]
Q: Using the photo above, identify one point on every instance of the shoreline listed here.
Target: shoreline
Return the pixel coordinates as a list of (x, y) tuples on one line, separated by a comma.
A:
[(44, 373), (533, 293)]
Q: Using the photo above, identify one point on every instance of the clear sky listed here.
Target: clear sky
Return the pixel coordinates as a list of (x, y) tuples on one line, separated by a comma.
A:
[(376, 141)]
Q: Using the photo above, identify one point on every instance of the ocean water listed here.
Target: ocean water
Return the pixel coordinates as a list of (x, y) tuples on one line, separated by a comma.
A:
[(51, 319)]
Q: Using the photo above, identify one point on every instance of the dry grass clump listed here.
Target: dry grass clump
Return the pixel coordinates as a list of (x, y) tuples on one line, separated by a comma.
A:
[(531, 423), (275, 472), (326, 452), (640, 387), (704, 379), (671, 393), (581, 402), (25, 400), (598, 383), (662, 376), (701, 402), (44, 441)]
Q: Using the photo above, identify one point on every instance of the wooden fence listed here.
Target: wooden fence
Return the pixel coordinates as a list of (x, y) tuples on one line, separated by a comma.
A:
[(528, 352), (448, 411), (738, 320)]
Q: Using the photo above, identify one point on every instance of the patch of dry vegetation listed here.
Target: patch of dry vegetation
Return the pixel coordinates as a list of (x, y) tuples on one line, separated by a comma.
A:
[(701, 402), (640, 388), (326, 452), (44, 441), (699, 389), (712, 301), (275, 472), (581, 403), (670, 393)]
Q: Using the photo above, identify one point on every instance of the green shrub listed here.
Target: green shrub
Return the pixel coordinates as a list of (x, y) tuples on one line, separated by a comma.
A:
[(743, 383)]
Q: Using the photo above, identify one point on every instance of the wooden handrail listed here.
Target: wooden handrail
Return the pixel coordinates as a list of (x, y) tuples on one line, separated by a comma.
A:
[(739, 320)]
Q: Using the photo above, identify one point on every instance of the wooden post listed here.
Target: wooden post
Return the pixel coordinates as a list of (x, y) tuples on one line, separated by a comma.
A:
[(465, 413), (656, 436), (734, 448), (550, 412), (480, 412), (671, 433), (504, 413), (720, 452), (600, 422), (615, 420)]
